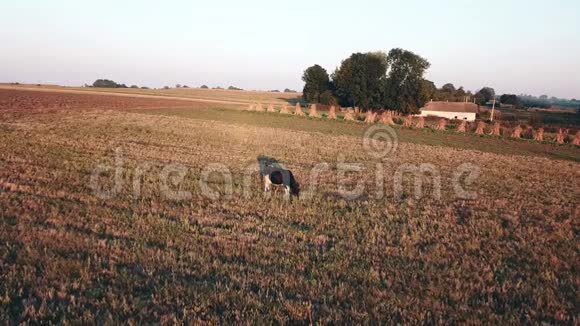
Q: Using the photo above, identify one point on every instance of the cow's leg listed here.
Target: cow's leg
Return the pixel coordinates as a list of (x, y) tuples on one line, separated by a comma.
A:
[(287, 191), (267, 183)]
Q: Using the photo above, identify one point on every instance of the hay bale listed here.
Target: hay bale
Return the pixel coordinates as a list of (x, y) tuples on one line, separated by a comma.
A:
[(462, 127), (387, 118), (516, 132), (420, 124), (332, 113), (576, 140), (349, 115), (252, 107), (561, 136), (480, 129), (441, 124), (539, 134), (528, 133), (271, 108), (370, 117), (259, 107), (298, 110), (313, 113), (496, 129), (407, 121), (285, 110)]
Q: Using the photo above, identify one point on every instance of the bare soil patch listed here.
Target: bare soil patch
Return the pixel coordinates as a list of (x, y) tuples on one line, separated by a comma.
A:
[(17, 100)]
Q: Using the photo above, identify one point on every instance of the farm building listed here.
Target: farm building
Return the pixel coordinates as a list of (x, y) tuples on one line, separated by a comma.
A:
[(450, 110)]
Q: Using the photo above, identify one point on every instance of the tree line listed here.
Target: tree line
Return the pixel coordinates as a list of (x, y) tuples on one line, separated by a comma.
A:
[(395, 80), (372, 80)]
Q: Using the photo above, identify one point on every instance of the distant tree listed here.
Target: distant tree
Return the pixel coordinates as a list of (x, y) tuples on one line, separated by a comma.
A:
[(106, 83), (511, 99), (316, 81), (428, 91), (449, 88), (184, 86), (459, 95), (275, 91), (165, 87), (134, 86), (177, 85), (232, 88), (360, 80), (218, 87), (405, 85), (204, 86), (144, 87), (287, 90), (484, 95)]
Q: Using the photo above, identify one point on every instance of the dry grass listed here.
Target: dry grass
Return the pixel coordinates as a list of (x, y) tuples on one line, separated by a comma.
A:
[(561, 136), (516, 132), (298, 110), (313, 112), (480, 129), (509, 256), (420, 123), (441, 124), (576, 140), (349, 115), (370, 117), (332, 112), (462, 126), (538, 134), (387, 118), (496, 129), (284, 109)]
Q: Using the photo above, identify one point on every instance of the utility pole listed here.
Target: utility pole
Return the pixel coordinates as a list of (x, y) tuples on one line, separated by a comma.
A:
[(492, 109)]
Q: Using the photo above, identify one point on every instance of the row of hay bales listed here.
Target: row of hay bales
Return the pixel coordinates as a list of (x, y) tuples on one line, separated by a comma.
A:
[(390, 117)]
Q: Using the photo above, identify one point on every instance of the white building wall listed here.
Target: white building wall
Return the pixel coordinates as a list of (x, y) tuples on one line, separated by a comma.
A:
[(469, 116)]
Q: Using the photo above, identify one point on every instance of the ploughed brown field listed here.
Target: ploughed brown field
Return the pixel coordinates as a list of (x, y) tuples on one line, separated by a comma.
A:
[(183, 233), (24, 99)]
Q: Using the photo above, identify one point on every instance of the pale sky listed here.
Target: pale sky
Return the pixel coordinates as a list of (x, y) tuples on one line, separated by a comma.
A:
[(514, 46)]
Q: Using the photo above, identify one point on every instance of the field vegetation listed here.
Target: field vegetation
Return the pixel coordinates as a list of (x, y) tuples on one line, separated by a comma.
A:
[(507, 255), (237, 96)]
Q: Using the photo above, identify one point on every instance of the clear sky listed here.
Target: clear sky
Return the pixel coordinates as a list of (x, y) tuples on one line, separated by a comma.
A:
[(514, 46)]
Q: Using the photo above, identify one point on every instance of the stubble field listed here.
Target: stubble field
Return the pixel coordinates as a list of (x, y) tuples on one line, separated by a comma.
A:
[(164, 248)]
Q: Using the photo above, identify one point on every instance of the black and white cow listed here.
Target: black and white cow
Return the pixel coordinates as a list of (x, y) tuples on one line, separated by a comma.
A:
[(272, 172)]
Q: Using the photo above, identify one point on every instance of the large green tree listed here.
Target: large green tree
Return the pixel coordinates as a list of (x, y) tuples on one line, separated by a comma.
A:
[(360, 78), (317, 82), (405, 86), (484, 95)]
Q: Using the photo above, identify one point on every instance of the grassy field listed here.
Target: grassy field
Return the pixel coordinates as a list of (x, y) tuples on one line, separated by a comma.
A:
[(509, 254), (557, 117)]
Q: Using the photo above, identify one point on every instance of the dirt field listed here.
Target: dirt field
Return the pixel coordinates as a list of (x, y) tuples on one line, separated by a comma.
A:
[(83, 243), (23, 99), (222, 95)]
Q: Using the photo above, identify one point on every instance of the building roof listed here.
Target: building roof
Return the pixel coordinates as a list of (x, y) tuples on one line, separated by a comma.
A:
[(451, 107)]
